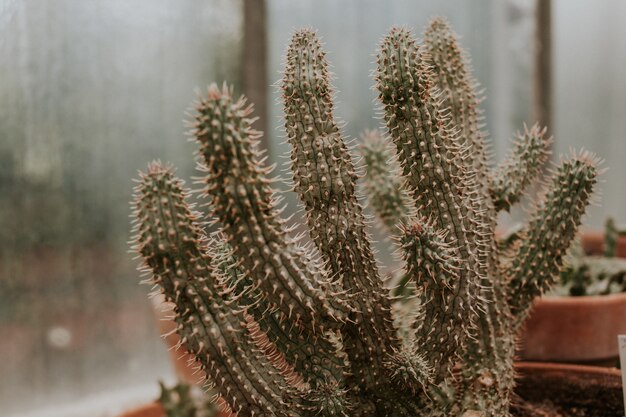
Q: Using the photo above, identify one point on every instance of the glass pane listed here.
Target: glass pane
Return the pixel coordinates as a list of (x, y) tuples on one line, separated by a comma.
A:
[(90, 92), (590, 92)]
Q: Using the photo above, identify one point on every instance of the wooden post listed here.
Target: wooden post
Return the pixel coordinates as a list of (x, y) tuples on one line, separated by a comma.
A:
[(542, 94), (254, 62)]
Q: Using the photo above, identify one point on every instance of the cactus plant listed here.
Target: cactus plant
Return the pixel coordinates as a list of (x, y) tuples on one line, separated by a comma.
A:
[(287, 327)]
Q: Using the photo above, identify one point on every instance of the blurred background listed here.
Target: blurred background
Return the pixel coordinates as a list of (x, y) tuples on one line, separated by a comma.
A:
[(92, 90)]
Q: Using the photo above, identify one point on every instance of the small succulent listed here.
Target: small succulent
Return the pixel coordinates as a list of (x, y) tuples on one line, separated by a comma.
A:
[(594, 274), (183, 400)]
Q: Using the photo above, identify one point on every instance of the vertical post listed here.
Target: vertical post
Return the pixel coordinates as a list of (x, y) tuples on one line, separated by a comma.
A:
[(542, 94), (621, 340), (254, 61)]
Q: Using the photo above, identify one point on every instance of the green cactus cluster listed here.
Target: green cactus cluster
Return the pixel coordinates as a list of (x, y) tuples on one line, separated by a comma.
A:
[(183, 400), (594, 274), (297, 326)]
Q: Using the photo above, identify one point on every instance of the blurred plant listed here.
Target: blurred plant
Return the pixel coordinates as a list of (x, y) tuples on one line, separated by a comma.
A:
[(291, 329), (184, 400), (594, 275)]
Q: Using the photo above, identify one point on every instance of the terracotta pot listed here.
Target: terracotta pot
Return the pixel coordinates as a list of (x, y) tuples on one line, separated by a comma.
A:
[(593, 244), (575, 329), (155, 410), (149, 410), (566, 390)]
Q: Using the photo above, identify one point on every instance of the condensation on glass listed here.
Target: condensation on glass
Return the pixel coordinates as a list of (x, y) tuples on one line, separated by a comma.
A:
[(90, 91)]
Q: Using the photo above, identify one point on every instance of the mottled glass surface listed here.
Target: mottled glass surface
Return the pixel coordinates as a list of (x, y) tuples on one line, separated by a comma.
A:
[(90, 91), (590, 93)]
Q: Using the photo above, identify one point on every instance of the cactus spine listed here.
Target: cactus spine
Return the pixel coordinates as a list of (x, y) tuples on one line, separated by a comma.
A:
[(289, 329)]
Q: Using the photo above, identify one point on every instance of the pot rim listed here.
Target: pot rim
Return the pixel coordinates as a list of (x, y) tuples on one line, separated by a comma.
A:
[(522, 366), (150, 409), (582, 299)]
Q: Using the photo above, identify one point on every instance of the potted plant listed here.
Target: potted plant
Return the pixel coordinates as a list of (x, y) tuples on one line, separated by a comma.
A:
[(579, 320), (181, 400), (611, 242), (289, 329), (547, 389)]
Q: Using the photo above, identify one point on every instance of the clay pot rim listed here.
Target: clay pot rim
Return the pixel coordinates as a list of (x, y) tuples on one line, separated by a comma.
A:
[(530, 366), (583, 299), (522, 367), (145, 410)]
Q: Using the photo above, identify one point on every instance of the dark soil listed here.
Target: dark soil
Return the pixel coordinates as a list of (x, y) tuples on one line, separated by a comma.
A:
[(549, 409), (565, 394)]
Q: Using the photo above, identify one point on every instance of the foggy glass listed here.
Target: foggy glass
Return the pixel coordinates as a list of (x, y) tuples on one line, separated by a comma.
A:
[(590, 93), (90, 91)]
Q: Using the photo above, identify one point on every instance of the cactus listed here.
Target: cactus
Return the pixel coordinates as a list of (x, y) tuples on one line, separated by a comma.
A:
[(291, 327), (594, 274), (383, 183)]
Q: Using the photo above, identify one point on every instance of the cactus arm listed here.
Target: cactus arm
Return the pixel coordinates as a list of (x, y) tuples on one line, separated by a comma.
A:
[(427, 149), (312, 356), (445, 188), (441, 325), (530, 151), (453, 78), (170, 244), (429, 153), (550, 232), (383, 183), (325, 179), (241, 198)]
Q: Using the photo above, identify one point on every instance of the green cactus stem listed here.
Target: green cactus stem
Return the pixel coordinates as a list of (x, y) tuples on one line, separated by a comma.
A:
[(325, 179), (453, 78), (383, 184), (171, 245), (243, 200), (550, 231), (530, 152), (611, 235), (441, 322), (431, 159), (313, 357)]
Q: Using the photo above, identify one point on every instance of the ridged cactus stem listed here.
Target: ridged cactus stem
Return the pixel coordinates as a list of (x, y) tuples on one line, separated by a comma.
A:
[(487, 357), (550, 231), (523, 164), (243, 200), (440, 330), (171, 245), (383, 182), (431, 159), (452, 74), (312, 356), (325, 179)]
